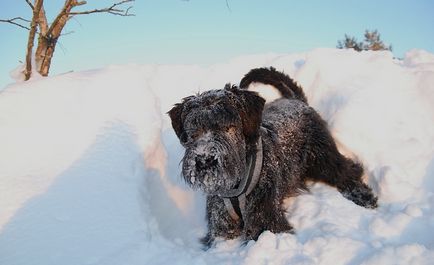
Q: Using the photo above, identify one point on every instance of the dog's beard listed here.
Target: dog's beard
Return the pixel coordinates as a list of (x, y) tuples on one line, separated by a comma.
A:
[(215, 166)]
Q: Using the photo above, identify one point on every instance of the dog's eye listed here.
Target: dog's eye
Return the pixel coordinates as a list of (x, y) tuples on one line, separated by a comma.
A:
[(193, 134), (232, 130)]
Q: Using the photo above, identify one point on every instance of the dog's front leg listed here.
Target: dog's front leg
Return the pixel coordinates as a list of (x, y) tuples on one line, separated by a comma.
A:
[(265, 214), (220, 223)]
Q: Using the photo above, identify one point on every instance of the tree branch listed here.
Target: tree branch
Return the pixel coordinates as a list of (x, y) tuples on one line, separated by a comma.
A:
[(12, 21), (42, 21), (227, 5), (33, 26), (67, 33), (30, 4), (111, 10), (62, 17)]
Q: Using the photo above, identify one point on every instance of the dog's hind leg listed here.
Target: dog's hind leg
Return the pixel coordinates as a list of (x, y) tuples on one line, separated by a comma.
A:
[(324, 163), (348, 181), (346, 176)]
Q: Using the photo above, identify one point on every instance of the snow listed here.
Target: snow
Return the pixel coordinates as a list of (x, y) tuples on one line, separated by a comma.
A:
[(90, 172), (268, 92)]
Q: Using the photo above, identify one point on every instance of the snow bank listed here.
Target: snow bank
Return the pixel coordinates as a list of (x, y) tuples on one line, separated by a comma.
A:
[(89, 166)]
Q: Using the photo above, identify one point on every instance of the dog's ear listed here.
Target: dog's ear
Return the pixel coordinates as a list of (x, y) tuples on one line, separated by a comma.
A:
[(176, 116), (251, 114)]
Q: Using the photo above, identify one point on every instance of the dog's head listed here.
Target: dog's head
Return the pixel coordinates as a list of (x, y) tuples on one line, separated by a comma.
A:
[(218, 129)]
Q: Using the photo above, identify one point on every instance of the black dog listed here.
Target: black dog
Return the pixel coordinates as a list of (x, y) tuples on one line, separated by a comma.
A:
[(248, 156)]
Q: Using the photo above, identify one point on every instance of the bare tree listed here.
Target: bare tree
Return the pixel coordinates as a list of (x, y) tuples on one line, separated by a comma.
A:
[(49, 33)]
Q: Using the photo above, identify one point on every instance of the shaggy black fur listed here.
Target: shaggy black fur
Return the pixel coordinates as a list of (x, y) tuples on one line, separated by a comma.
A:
[(220, 129), (287, 87)]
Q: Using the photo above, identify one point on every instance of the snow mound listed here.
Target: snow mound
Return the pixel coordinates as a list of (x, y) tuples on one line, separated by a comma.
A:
[(89, 166)]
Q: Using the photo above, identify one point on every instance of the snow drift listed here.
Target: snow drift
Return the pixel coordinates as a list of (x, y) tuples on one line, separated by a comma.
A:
[(89, 165)]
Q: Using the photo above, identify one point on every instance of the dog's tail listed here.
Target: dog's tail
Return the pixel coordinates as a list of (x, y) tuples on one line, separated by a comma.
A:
[(287, 87)]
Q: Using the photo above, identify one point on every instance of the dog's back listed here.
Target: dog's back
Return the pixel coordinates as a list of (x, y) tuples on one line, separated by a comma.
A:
[(307, 144), (284, 114)]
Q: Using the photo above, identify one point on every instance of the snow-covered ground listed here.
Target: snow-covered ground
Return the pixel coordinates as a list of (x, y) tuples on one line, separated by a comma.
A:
[(90, 173)]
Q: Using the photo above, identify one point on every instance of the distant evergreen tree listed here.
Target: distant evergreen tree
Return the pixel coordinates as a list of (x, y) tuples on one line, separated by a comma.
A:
[(372, 42), (350, 42)]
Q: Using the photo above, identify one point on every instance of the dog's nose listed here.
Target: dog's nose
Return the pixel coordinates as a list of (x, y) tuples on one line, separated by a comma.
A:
[(206, 162)]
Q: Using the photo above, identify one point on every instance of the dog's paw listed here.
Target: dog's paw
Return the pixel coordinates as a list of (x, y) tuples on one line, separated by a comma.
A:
[(277, 225), (207, 242), (361, 195)]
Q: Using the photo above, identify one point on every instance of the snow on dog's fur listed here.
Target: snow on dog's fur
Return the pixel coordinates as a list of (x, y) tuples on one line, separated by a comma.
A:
[(225, 131)]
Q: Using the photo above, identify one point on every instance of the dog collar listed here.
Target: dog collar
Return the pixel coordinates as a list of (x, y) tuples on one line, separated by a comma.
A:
[(235, 200)]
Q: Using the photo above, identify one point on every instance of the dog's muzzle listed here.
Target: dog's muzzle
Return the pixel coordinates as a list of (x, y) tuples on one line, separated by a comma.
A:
[(206, 162), (202, 165)]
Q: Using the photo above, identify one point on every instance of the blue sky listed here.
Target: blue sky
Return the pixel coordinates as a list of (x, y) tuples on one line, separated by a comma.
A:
[(207, 31)]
